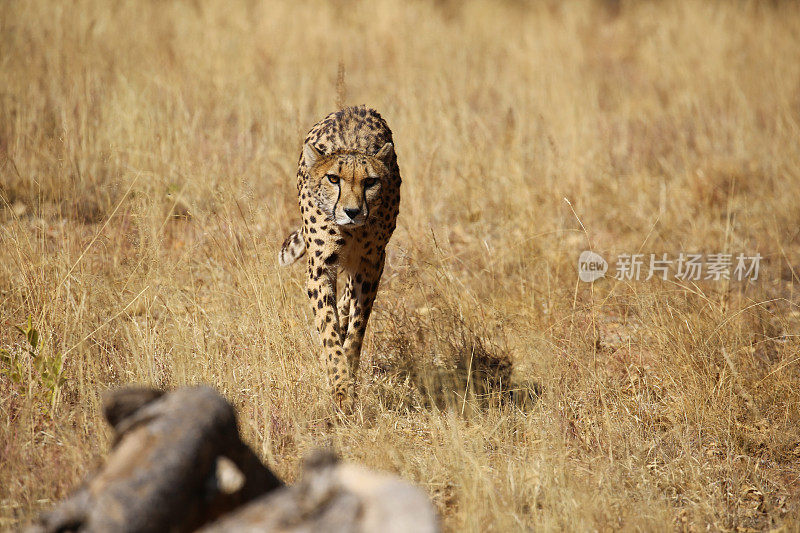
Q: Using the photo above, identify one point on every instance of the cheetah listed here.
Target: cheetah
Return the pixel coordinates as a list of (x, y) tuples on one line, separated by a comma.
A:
[(348, 186)]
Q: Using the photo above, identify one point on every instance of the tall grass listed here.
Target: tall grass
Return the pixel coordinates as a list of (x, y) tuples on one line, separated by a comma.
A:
[(147, 159)]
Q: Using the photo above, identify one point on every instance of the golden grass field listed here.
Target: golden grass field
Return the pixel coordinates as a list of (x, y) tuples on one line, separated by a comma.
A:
[(147, 179)]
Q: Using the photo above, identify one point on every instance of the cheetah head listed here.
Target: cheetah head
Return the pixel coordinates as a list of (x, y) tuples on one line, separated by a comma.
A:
[(348, 186)]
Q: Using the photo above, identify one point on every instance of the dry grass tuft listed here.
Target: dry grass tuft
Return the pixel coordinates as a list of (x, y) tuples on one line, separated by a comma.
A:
[(147, 158)]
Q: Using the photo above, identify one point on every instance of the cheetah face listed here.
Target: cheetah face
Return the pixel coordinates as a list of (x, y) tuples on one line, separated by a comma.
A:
[(348, 186)]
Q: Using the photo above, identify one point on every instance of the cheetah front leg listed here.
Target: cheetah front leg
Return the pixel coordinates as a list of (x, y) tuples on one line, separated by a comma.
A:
[(322, 293), (363, 290), (344, 307)]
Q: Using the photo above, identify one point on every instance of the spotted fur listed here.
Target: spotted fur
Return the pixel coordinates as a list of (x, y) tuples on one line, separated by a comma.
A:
[(348, 185), (294, 247)]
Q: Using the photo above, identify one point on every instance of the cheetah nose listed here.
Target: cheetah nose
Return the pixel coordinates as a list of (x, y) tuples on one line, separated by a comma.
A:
[(352, 212)]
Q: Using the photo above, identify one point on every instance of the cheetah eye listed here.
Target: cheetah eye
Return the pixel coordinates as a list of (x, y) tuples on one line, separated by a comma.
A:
[(369, 182), (333, 179)]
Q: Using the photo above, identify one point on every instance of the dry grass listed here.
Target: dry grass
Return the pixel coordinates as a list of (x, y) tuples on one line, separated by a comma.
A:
[(669, 126)]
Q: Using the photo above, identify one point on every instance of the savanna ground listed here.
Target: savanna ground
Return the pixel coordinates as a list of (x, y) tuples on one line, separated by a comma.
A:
[(147, 160)]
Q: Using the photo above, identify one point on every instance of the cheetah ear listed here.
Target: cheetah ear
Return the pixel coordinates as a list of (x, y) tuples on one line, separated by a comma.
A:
[(310, 154), (385, 153)]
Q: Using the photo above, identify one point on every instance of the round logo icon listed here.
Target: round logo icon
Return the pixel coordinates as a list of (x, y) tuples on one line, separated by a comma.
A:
[(591, 266)]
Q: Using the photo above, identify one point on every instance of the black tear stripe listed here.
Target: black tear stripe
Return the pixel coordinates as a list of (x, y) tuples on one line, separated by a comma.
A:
[(338, 195)]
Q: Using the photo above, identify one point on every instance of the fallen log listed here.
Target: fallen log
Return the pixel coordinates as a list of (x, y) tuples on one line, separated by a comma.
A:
[(178, 464)]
